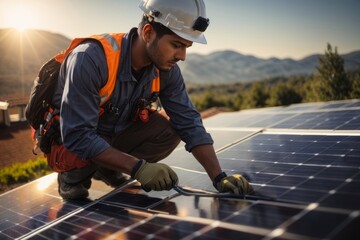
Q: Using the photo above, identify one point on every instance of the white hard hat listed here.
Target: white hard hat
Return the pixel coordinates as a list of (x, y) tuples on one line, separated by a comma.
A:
[(186, 18)]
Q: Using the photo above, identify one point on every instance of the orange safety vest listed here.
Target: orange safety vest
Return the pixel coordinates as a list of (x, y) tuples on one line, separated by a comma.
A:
[(111, 44)]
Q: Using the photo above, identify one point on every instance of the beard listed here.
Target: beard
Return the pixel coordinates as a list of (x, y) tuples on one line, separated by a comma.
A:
[(156, 57)]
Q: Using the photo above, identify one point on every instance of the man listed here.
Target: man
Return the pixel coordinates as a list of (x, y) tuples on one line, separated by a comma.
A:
[(128, 138)]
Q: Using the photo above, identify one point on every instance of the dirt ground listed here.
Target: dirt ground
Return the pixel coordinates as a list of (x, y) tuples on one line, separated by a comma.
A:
[(16, 144)]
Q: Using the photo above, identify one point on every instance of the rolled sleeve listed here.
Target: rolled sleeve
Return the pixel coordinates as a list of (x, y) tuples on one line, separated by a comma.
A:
[(183, 115), (83, 77)]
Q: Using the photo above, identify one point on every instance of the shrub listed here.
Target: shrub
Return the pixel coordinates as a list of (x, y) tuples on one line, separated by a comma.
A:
[(23, 172)]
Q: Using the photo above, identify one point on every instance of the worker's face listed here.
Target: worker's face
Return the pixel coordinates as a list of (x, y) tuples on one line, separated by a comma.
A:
[(167, 50)]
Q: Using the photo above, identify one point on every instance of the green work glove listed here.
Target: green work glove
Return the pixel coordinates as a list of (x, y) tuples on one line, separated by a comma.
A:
[(154, 176), (234, 183)]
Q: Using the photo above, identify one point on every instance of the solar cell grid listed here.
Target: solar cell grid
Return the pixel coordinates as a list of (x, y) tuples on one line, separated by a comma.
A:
[(263, 121), (181, 160), (316, 174), (350, 230), (338, 120), (96, 221), (223, 120), (253, 120), (262, 217), (132, 198), (354, 104), (209, 208), (220, 232), (309, 224), (224, 137), (113, 222), (37, 204), (314, 179), (165, 227), (301, 107), (23, 211), (334, 105), (329, 106)]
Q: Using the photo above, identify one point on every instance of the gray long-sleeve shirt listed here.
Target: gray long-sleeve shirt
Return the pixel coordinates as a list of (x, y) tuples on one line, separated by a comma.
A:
[(77, 96)]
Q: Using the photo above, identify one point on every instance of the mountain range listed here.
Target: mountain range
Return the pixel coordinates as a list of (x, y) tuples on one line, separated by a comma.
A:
[(231, 67), (23, 53)]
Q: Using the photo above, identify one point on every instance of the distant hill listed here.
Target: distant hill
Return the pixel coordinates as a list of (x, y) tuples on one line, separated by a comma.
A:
[(229, 67), (25, 53), (34, 46)]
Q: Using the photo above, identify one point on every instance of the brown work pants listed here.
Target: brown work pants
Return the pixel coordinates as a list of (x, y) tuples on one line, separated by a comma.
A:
[(151, 141)]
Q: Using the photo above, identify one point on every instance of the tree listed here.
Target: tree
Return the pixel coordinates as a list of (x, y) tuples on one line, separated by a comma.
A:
[(256, 97), (355, 93), (282, 94), (331, 81), (238, 101), (208, 100)]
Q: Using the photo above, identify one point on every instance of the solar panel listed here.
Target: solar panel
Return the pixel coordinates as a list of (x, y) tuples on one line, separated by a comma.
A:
[(303, 107), (289, 164), (331, 105), (337, 120), (95, 222), (341, 104), (37, 204), (306, 178), (223, 137), (248, 119), (354, 104)]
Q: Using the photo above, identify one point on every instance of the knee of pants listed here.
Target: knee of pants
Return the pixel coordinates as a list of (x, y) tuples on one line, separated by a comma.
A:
[(79, 175), (168, 137), (157, 134), (162, 146)]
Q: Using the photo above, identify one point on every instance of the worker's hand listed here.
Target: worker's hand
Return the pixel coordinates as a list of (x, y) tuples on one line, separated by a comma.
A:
[(234, 183), (155, 176)]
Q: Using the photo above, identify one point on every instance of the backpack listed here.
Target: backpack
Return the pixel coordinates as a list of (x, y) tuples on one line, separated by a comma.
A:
[(42, 116)]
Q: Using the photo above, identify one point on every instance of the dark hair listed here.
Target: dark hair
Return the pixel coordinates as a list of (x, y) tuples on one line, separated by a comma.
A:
[(160, 29)]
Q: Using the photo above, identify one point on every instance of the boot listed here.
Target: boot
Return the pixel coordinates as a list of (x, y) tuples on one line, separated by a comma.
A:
[(73, 191)]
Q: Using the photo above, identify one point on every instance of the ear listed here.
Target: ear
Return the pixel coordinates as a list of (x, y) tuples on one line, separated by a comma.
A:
[(147, 33)]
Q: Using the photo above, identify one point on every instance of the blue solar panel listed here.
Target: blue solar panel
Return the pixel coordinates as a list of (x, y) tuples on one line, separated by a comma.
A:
[(36, 205), (306, 178), (337, 120), (254, 119), (283, 165), (95, 222), (341, 104)]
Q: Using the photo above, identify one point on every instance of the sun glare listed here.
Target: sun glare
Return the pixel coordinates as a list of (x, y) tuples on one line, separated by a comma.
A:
[(20, 17)]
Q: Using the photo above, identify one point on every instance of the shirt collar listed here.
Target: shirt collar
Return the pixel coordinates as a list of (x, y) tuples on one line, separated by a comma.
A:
[(124, 71)]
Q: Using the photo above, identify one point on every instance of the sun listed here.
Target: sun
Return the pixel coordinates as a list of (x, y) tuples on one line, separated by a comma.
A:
[(20, 16)]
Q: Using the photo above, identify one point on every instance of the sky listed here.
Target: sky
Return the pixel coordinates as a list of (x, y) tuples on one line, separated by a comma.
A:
[(262, 28)]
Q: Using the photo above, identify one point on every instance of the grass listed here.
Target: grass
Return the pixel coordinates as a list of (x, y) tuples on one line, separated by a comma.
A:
[(19, 173)]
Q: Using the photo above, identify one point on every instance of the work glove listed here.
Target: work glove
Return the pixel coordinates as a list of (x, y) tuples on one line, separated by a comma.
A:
[(235, 183), (154, 176)]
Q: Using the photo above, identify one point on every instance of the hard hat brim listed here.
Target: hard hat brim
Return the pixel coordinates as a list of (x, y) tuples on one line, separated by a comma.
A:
[(198, 39)]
